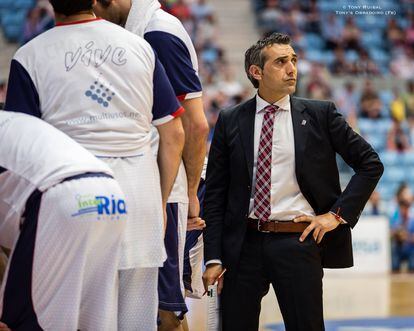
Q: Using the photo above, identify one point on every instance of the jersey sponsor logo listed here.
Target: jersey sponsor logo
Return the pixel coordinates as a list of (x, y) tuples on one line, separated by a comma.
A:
[(100, 92), (89, 54), (100, 205)]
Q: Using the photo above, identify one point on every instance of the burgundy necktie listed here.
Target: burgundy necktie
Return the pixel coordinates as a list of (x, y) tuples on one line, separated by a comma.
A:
[(262, 207)]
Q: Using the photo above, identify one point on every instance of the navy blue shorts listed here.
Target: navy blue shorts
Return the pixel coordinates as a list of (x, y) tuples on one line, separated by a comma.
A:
[(169, 289)]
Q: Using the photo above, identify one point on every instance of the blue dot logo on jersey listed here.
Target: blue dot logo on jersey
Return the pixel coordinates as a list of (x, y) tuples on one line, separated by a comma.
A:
[(100, 205), (100, 93)]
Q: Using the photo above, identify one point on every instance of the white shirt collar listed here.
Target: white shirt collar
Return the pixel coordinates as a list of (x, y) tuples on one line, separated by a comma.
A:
[(283, 103)]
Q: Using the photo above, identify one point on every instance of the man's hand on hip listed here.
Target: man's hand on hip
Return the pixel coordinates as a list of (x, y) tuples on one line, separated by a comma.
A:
[(4, 327), (320, 225), (211, 275)]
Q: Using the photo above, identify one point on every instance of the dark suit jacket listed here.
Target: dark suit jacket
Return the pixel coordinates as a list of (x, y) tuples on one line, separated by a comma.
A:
[(230, 167)]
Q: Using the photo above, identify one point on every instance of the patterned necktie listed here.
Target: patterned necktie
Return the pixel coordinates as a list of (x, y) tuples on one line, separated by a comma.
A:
[(261, 205)]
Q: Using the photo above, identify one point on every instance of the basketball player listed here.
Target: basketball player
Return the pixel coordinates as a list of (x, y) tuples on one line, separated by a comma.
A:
[(63, 216), (174, 47)]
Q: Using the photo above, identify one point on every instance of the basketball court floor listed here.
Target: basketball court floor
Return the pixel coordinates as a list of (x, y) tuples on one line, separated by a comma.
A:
[(351, 303)]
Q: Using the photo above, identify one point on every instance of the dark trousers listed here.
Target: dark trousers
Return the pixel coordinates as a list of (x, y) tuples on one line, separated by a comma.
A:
[(293, 268)]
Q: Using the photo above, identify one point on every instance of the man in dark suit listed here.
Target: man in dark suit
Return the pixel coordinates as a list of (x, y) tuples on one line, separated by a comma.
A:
[(274, 209)]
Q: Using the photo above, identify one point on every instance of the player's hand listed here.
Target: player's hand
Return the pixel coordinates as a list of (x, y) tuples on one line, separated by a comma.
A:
[(319, 224), (194, 223), (4, 327), (211, 275), (193, 206)]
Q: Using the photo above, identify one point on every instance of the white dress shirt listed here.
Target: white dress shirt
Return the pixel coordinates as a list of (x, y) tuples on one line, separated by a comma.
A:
[(286, 199)]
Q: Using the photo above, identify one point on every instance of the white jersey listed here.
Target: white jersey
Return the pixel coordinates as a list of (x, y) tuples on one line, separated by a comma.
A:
[(174, 48), (34, 155), (95, 81), (105, 88)]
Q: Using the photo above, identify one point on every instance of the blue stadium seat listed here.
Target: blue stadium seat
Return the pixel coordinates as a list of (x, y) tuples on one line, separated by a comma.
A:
[(391, 158), (386, 97), (314, 41), (408, 160), (372, 39), (395, 174), (374, 127), (314, 55), (379, 56), (24, 3), (6, 4), (387, 191), (377, 141), (351, 55)]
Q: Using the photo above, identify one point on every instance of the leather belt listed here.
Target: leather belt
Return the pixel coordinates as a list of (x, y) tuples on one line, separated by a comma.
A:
[(277, 226)]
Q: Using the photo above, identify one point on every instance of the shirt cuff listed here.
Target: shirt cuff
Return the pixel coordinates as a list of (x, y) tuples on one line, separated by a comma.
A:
[(339, 218), (215, 261)]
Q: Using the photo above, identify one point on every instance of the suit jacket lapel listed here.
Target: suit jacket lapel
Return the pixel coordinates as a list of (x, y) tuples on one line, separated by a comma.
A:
[(246, 126), (301, 124)]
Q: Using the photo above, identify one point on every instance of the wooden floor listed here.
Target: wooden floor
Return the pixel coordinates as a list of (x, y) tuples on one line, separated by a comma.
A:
[(345, 297)]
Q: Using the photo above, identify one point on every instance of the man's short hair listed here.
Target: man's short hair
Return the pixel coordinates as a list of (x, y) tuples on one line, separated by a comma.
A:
[(71, 7), (255, 56)]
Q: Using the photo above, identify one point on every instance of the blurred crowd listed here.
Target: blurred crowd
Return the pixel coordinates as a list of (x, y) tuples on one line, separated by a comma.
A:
[(220, 87), (401, 215)]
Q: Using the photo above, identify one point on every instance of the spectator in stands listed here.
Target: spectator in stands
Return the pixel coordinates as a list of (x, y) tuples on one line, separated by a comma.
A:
[(30, 29), (397, 139), (409, 34), (180, 10), (206, 29), (374, 206), (402, 231), (393, 34), (201, 10), (318, 86), (229, 85), (313, 18), (397, 107), (347, 99), (364, 65), (351, 35), (304, 65), (39, 19), (332, 31), (370, 102), (402, 65), (408, 99), (271, 17), (211, 55), (340, 65)]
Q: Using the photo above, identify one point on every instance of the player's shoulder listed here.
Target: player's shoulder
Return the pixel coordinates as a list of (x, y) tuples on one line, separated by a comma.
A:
[(162, 21), (33, 46), (129, 37)]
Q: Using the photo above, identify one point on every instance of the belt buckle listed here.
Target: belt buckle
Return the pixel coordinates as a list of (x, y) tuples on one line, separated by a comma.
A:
[(259, 227)]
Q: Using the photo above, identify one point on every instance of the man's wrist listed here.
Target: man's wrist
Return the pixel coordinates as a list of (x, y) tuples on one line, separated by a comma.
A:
[(338, 218)]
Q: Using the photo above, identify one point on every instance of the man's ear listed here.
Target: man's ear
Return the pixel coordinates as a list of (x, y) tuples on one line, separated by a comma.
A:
[(256, 72)]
